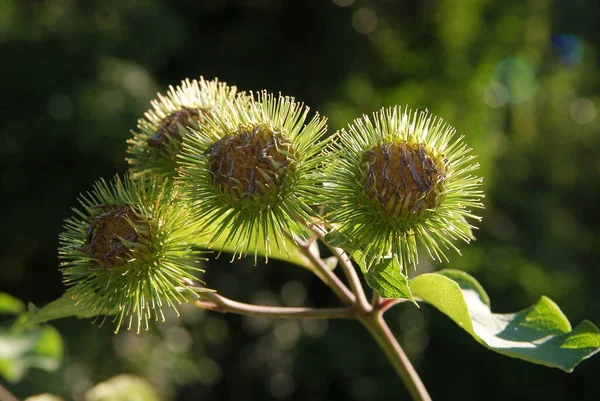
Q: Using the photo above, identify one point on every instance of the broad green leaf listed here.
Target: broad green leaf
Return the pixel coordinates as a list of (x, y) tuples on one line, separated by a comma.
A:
[(540, 334), (60, 308), (387, 277), (338, 240), (10, 305), (123, 388), (40, 347), (388, 280), (44, 397), (290, 253), (331, 262)]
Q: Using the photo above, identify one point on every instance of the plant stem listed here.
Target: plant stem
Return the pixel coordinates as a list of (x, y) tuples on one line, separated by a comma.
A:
[(381, 332), (325, 273), (6, 395), (375, 299), (352, 277), (370, 314), (221, 304), (348, 269)]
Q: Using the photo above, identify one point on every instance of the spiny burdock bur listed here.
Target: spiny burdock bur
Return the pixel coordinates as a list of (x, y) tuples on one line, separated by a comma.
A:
[(157, 142), (128, 251), (254, 174), (251, 171), (399, 180), (108, 233)]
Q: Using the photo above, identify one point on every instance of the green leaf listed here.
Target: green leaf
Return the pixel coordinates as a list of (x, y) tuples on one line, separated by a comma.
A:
[(331, 262), (41, 347), (123, 388), (338, 240), (60, 308), (44, 397), (540, 334), (293, 254), (387, 277), (10, 305), (388, 280)]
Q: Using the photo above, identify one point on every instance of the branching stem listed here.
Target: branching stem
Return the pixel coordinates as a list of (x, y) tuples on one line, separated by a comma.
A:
[(352, 277), (6, 395), (375, 299), (381, 332), (219, 303), (370, 314), (348, 269), (325, 273)]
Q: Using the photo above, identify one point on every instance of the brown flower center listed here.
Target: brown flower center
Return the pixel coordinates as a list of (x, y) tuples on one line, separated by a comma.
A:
[(169, 127), (103, 240), (251, 162), (403, 178)]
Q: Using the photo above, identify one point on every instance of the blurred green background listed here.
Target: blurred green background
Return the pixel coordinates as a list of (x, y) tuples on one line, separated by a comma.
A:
[(518, 78)]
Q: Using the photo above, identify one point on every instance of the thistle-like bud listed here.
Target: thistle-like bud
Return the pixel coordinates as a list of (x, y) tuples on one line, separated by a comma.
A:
[(154, 148), (128, 251), (251, 163), (400, 180), (109, 233), (249, 170)]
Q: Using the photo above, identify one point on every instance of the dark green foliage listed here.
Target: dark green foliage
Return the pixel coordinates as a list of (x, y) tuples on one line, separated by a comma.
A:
[(76, 75)]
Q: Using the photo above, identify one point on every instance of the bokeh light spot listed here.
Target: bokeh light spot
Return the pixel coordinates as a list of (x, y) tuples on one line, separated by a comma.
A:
[(293, 293), (364, 20), (281, 385), (314, 328), (364, 388), (178, 339), (137, 81), (496, 94), (255, 325), (519, 78), (412, 319), (415, 341), (583, 111), (60, 106), (210, 371), (568, 49), (344, 3), (287, 333)]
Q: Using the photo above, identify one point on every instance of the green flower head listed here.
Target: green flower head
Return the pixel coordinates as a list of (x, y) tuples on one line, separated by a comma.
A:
[(154, 148), (127, 251), (249, 169), (399, 180)]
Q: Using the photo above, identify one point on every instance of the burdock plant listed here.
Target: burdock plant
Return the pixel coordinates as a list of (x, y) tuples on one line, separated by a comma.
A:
[(157, 142), (249, 171), (256, 174), (399, 181), (127, 252)]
